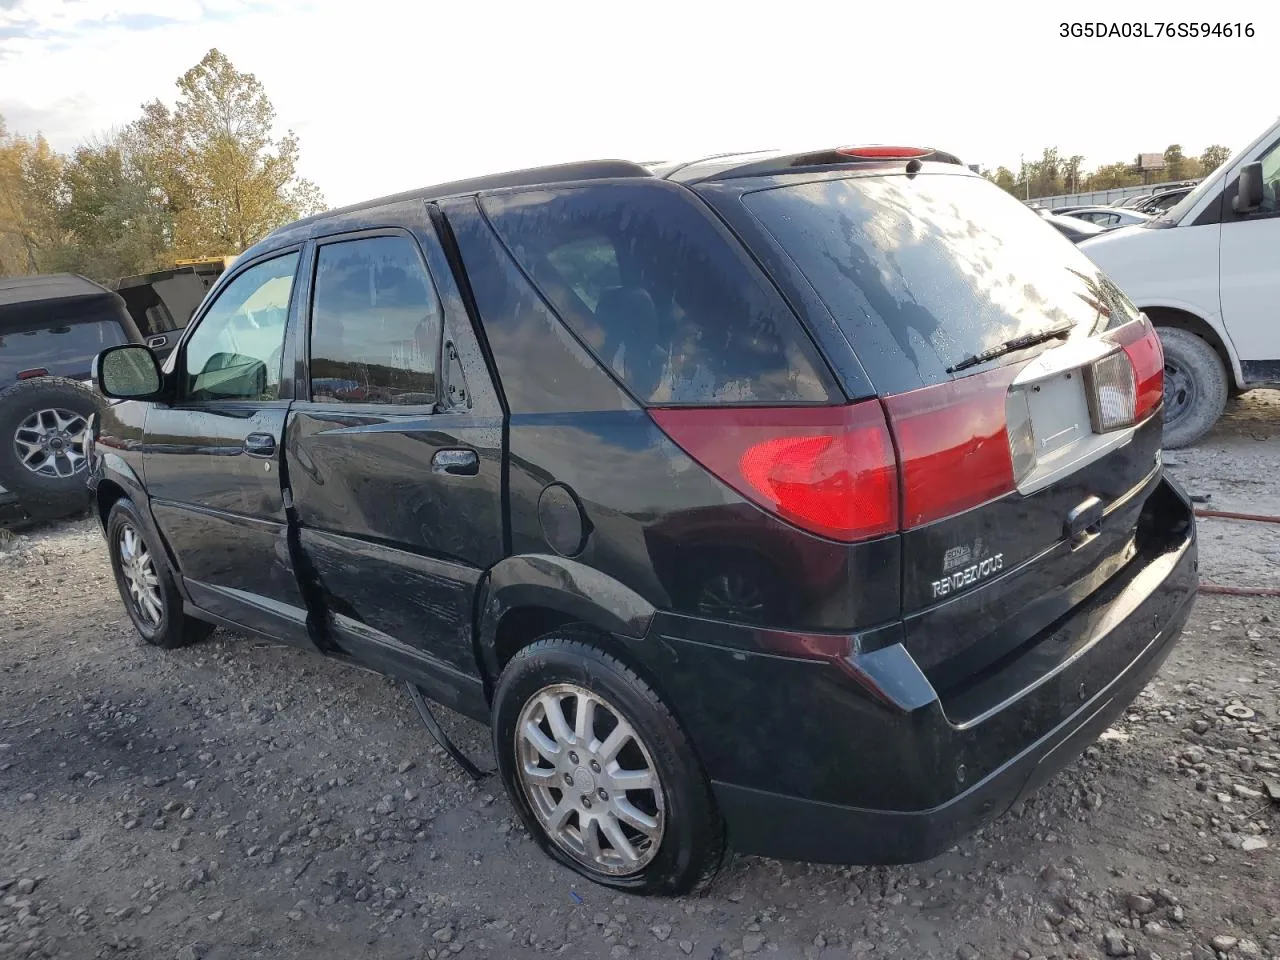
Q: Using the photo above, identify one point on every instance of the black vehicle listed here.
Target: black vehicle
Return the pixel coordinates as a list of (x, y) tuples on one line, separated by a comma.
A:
[(811, 504), (1159, 203), (51, 328), (161, 302)]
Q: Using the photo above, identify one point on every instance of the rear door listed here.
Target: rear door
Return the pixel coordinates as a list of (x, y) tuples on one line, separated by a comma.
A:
[(395, 464), (926, 277), (212, 459)]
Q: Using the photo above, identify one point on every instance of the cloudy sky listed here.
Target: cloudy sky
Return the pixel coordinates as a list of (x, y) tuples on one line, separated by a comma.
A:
[(389, 95)]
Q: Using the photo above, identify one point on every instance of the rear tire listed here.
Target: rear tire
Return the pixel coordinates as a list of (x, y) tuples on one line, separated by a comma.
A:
[(661, 834), (1196, 387), (43, 430), (146, 583)]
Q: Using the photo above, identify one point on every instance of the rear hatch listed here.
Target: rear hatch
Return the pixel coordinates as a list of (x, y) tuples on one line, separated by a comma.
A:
[(1020, 387)]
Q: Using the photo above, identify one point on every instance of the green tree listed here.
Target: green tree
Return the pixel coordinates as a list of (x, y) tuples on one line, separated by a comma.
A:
[(1213, 157), (1174, 162), (227, 179), (115, 214), (30, 188)]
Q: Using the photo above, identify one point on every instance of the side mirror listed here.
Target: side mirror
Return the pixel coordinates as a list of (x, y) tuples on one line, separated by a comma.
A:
[(1248, 196), (128, 372)]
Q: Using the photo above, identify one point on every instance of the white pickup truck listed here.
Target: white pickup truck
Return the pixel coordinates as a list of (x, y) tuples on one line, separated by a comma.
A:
[(1207, 273)]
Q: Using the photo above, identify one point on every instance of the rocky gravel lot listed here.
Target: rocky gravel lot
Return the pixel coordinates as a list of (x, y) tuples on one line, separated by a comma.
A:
[(239, 800)]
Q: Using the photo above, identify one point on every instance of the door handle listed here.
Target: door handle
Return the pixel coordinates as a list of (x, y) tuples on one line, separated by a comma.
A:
[(458, 463), (155, 343), (260, 445)]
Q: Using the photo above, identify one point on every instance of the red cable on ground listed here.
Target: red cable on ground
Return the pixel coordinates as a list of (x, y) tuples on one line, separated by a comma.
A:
[(1239, 591), (1231, 515)]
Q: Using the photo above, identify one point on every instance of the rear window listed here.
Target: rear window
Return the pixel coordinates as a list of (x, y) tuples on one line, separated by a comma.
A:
[(63, 350), (661, 294), (922, 272)]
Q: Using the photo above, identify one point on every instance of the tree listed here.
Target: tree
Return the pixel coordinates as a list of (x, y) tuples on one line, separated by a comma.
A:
[(226, 179), (1213, 157), (1003, 178), (1174, 162), (30, 186), (114, 210)]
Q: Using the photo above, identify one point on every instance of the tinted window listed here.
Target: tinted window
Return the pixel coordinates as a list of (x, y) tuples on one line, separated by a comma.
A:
[(235, 352), (925, 271), (660, 294), (375, 324), (64, 351)]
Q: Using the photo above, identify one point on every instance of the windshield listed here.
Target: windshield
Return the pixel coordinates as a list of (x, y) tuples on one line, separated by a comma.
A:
[(1183, 206), (922, 272)]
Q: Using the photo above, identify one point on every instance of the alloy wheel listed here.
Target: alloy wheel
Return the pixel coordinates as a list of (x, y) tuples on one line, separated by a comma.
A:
[(50, 443), (140, 576), (590, 780)]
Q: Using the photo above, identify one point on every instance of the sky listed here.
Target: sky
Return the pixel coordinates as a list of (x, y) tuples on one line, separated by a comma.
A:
[(388, 96)]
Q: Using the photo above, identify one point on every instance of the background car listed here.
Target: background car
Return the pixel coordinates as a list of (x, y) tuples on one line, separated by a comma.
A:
[(51, 327), (1073, 228), (1108, 216)]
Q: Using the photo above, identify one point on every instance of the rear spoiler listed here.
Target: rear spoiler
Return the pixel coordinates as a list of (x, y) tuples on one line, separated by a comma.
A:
[(779, 163)]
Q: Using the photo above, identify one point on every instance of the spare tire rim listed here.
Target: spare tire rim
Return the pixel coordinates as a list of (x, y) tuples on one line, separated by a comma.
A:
[(1180, 391), (590, 780), (50, 443), (140, 575)]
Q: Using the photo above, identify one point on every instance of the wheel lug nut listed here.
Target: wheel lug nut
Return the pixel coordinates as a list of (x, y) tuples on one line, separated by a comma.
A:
[(595, 766), (603, 795), (586, 803), (573, 758), (568, 779)]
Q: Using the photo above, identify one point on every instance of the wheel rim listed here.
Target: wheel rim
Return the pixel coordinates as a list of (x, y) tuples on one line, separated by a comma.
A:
[(1180, 391), (50, 443), (590, 780), (140, 576)]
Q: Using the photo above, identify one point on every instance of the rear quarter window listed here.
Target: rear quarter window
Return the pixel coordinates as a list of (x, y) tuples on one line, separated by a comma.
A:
[(661, 294)]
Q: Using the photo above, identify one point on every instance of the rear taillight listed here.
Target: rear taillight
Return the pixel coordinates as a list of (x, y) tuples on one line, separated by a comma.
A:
[(954, 445), (828, 470), (883, 152), (1127, 386), (1141, 343), (1112, 392), (32, 373)]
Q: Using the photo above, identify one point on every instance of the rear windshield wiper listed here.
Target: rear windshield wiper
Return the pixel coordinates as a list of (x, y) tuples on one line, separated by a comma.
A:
[(1014, 343)]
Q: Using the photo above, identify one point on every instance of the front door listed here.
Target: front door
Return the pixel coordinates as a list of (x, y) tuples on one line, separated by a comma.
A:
[(398, 492), (212, 458), (1250, 275)]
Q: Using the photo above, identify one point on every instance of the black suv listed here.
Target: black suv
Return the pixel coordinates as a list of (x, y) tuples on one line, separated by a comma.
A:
[(51, 328), (811, 504)]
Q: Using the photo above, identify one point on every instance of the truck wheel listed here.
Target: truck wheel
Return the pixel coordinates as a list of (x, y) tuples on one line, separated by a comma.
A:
[(1195, 387), (146, 584), (44, 423), (601, 772)]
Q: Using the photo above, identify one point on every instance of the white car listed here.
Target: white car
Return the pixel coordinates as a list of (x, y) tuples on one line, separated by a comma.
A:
[(1207, 273), (1109, 216)]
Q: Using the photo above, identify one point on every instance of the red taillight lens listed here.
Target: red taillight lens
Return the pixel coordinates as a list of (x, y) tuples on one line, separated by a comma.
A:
[(32, 373), (828, 470), (1141, 343), (879, 152), (954, 445)]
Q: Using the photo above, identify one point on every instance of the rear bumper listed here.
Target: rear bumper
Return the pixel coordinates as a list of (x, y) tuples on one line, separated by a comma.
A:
[(807, 765)]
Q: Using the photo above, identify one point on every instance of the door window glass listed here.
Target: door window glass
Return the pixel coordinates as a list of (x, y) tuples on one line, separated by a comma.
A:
[(375, 324), (235, 353)]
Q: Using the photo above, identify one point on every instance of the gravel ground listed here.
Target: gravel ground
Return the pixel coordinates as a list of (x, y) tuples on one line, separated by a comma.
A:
[(238, 800)]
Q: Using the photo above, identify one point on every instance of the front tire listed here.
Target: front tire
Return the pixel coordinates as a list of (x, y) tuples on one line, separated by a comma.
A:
[(146, 583), (600, 770), (1195, 387)]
